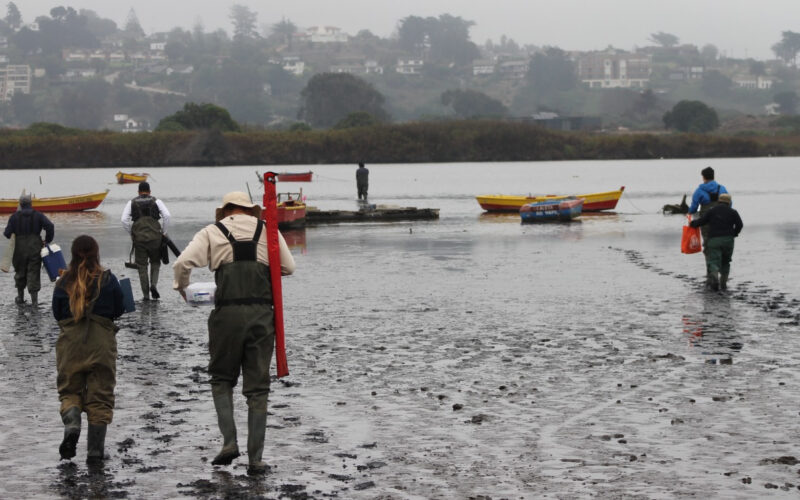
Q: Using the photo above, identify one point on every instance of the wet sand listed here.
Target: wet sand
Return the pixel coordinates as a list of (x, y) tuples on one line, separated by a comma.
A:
[(466, 358)]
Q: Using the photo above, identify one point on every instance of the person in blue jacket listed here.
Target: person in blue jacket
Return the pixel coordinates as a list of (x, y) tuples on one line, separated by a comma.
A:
[(706, 197), (27, 225)]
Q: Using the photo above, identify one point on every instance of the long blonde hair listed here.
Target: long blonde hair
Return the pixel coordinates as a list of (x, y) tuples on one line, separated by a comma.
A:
[(84, 270)]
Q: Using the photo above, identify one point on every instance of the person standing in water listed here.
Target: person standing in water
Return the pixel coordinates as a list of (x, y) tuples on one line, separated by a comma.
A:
[(241, 333), (140, 219), (362, 181), (86, 300), (27, 224)]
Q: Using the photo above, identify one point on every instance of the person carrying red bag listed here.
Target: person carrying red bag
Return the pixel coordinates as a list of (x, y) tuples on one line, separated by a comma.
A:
[(724, 224)]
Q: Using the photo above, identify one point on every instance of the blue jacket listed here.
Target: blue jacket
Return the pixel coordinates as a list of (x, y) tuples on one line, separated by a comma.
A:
[(108, 305), (702, 195), (29, 221)]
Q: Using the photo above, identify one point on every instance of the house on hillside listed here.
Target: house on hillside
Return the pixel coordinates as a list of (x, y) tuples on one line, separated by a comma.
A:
[(514, 69), (614, 69), (326, 34), (409, 66), (293, 65), (482, 67), (14, 78), (753, 82)]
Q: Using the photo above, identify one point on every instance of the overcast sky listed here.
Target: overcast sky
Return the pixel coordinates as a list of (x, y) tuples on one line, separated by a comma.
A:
[(739, 28)]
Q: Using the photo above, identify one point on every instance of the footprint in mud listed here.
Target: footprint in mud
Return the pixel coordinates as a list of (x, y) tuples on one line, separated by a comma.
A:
[(316, 437)]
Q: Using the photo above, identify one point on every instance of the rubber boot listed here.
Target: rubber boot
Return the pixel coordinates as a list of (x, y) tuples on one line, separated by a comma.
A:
[(723, 281), (34, 299), (96, 440), (153, 281), (20, 296), (256, 428), (72, 431), (713, 282), (223, 403)]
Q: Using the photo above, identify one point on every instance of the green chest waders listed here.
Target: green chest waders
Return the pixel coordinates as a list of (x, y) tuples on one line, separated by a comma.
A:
[(241, 339)]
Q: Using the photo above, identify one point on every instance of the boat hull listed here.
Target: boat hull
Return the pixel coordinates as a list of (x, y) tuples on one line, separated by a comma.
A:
[(123, 178), (74, 203), (593, 202), (295, 176), (550, 211)]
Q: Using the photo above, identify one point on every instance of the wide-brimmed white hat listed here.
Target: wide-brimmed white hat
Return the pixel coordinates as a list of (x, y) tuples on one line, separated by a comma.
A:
[(237, 198)]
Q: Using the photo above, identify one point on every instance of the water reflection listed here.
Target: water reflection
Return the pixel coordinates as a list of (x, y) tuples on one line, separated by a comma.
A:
[(295, 239), (95, 482), (712, 332), (500, 217)]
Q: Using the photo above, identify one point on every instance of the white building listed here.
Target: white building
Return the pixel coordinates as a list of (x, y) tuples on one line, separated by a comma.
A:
[(482, 67), (614, 69), (294, 65), (409, 66), (326, 34), (14, 78), (753, 82)]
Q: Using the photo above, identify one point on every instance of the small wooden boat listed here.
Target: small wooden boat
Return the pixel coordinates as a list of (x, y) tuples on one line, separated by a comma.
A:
[(552, 210), (593, 202), (295, 176), (74, 203), (126, 178), (291, 210)]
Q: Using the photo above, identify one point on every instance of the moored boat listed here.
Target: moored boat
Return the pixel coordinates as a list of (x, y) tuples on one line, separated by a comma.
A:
[(593, 202), (126, 178), (74, 203), (552, 210), (295, 176)]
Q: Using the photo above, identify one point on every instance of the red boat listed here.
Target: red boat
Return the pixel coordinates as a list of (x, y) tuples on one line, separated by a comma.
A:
[(295, 176), (291, 210)]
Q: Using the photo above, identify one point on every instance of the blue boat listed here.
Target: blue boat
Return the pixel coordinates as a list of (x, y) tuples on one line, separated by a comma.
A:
[(562, 210)]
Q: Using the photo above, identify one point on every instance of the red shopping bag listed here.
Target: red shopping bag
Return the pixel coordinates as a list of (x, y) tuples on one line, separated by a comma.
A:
[(690, 242)]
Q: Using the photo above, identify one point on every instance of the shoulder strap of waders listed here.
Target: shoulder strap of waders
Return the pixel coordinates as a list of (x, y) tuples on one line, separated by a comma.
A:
[(225, 232), (91, 304)]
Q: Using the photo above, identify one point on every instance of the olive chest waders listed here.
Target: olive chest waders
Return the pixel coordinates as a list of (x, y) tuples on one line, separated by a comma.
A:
[(27, 259), (241, 339), (146, 235)]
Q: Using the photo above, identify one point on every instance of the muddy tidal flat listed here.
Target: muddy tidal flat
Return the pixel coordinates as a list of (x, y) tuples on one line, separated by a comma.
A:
[(469, 357)]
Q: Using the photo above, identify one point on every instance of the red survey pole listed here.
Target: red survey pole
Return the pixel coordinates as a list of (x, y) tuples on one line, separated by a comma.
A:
[(274, 256)]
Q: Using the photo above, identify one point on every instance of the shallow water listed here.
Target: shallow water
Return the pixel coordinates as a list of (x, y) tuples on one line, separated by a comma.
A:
[(462, 357)]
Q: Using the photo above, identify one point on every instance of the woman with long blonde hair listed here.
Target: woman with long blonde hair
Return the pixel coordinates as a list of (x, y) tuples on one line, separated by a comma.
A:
[(86, 300)]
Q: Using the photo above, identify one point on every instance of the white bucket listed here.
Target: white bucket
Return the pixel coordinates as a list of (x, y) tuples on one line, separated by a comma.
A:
[(201, 294)]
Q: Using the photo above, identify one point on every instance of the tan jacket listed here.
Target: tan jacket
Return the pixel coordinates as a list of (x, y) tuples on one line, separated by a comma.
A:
[(211, 248)]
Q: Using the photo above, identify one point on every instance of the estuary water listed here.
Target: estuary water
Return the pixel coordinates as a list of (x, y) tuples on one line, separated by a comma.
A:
[(471, 356)]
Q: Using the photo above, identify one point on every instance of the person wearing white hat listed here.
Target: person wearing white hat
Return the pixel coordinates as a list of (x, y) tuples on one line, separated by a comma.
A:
[(240, 328)]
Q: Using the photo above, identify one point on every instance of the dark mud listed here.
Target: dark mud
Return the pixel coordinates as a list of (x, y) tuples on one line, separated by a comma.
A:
[(470, 358)]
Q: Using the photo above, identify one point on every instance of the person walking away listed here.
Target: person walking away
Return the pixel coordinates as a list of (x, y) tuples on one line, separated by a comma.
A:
[(86, 300), (27, 225), (362, 181), (140, 218), (704, 198), (724, 224), (240, 327)]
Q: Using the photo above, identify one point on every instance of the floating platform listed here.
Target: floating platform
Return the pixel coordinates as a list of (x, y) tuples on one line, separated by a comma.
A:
[(379, 213)]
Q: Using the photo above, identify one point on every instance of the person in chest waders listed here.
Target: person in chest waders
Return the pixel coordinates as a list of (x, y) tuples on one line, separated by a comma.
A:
[(706, 197), (27, 225), (141, 219), (86, 300), (241, 334)]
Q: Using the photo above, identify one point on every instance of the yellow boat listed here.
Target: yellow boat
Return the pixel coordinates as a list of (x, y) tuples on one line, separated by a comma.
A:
[(593, 202), (125, 178), (74, 203)]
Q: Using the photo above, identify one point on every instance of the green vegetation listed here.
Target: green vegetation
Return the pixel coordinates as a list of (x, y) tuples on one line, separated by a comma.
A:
[(199, 117), (691, 116), (331, 97), (443, 141)]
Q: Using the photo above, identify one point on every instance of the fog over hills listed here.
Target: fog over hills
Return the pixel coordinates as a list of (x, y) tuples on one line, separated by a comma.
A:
[(739, 28)]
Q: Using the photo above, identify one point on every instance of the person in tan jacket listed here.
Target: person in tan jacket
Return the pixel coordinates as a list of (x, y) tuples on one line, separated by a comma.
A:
[(240, 327)]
